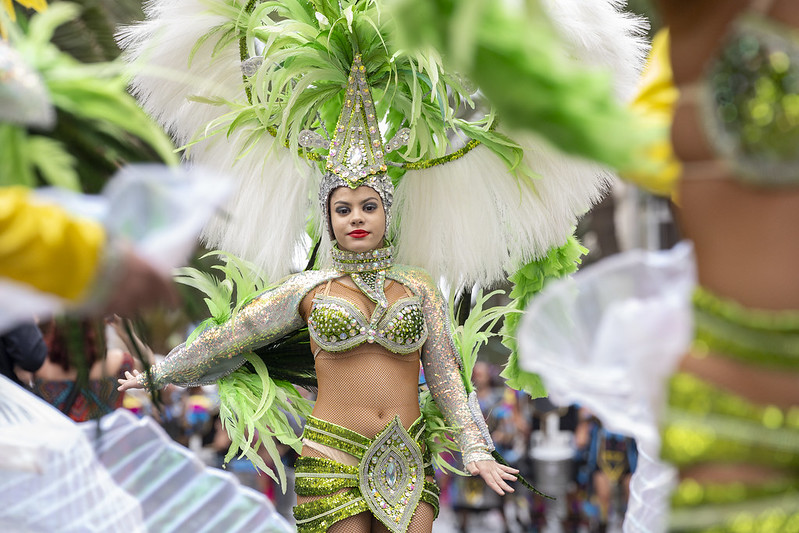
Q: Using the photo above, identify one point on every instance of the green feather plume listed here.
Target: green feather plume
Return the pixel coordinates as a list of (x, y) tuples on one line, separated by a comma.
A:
[(514, 57), (308, 49), (255, 411), (257, 400), (92, 95), (529, 281)]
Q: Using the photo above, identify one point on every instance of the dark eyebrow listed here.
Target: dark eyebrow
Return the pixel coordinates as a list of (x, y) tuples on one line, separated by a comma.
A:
[(343, 202), (370, 199)]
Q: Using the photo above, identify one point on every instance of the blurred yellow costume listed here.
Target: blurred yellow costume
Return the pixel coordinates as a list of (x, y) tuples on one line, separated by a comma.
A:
[(657, 96), (44, 246)]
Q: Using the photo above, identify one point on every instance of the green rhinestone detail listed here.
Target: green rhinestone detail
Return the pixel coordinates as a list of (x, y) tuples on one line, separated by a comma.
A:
[(316, 476), (390, 477), (335, 429), (430, 495), (429, 163), (393, 462), (322, 486), (336, 324), (690, 493), (777, 513), (786, 321)]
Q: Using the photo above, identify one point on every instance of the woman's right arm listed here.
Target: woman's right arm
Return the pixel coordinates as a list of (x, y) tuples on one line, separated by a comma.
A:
[(219, 350)]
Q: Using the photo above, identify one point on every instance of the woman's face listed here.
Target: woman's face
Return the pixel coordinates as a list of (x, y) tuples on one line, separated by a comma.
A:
[(357, 218)]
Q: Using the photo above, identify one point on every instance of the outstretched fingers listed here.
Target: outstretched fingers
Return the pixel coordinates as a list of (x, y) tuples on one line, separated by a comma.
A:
[(130, 381), (494, 474)]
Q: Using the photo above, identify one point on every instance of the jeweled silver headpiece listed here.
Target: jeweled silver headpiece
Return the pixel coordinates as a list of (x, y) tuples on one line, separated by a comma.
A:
[(356, 153)]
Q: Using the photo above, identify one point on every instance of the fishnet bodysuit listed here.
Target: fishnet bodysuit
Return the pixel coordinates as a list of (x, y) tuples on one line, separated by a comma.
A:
[(363, 389)]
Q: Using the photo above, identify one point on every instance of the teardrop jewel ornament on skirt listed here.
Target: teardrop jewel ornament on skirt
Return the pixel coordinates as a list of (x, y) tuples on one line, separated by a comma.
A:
[(392, 477)]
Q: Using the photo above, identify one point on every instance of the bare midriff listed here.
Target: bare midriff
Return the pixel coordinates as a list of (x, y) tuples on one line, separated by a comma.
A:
[(745, 237), (365, 387)]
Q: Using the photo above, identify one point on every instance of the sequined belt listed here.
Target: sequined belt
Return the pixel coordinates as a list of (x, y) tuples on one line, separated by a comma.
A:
[(389, 480), (761, 337)]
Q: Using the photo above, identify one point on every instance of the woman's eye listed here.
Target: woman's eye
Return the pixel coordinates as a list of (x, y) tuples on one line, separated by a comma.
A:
[(342, 210), (370, 207)]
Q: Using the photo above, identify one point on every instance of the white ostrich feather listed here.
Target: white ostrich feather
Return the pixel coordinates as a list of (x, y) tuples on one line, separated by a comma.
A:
[(161, 46), (471, 222), (599, 34), (468, 221), (264, 221)]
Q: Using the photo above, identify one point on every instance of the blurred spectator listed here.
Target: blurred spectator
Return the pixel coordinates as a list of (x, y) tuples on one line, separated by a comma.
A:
[(610, 462), (79, 375), (470, 495), (21, 348)]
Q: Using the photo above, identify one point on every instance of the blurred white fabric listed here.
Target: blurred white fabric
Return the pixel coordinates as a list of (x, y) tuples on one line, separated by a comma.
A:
[(50, 478), (121, 475), (607, 339), (177, 492)]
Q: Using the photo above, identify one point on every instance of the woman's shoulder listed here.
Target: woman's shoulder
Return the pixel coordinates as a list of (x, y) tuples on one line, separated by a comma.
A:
[(412, 276), (303, 282)]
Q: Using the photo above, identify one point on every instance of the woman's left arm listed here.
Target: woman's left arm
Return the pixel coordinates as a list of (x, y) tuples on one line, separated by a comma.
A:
[(442, 369)]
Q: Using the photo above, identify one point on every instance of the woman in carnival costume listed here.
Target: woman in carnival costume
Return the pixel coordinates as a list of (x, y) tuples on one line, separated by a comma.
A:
[(366, 449), (724, 396)]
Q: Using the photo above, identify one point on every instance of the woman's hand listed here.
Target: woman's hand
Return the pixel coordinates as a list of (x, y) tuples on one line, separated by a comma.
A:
[(130, 381), (494, 474)]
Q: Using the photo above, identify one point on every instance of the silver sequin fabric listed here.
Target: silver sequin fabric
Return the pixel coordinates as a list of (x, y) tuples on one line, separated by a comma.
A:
[(218, 350), (442, 364)]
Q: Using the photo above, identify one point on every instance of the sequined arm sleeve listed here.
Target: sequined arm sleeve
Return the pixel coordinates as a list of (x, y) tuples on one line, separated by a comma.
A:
[(218, 350), (442, 370)]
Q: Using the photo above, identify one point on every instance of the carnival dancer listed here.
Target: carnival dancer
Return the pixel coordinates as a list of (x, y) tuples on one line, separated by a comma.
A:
[(271, 76), (364, 458)]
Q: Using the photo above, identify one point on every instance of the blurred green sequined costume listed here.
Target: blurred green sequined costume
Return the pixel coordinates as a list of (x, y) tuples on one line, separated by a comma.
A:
[(750, 99), (706, 424), (750, 108)]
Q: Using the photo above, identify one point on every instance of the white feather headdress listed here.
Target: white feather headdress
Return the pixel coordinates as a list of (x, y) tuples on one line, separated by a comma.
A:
[(470, 220)]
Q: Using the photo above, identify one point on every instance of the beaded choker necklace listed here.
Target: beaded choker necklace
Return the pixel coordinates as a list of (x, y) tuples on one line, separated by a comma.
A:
[(349, 262), (367, 270)]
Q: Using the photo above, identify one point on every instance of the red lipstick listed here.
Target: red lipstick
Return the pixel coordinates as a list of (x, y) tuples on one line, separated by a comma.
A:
[(358, 233)]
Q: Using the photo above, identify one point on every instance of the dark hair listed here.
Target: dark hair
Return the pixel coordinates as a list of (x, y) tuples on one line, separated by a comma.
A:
[(73, 342)]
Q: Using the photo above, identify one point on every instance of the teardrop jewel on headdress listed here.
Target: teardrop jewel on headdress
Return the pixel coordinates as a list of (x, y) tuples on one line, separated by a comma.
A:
[(356, 150)]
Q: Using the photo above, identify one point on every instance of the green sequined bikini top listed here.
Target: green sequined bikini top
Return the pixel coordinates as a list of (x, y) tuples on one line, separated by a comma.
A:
[(749, 99), (336, 324)]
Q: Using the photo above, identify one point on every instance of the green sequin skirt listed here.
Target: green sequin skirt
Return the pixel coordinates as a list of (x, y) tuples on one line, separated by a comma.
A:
[(705, 424), (389, 480)]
